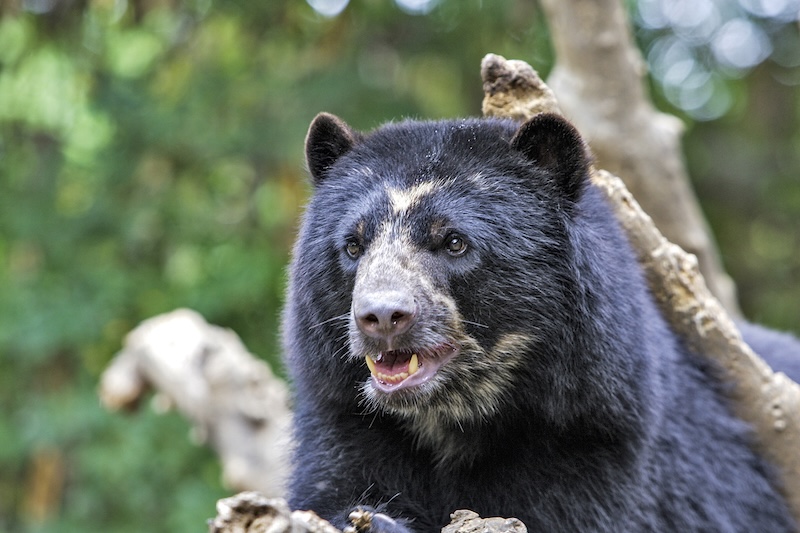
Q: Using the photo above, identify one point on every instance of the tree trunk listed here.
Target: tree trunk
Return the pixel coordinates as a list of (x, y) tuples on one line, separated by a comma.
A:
[(599, 77)]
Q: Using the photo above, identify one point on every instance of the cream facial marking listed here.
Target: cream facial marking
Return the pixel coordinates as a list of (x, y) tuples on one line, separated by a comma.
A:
[(403, 199)]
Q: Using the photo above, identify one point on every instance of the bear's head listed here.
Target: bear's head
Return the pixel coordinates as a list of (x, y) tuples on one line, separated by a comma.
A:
[(435, 278)]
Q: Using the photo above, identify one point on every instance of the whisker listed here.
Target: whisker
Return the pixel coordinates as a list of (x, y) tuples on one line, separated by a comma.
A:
[(478, 324), (344, 317), (341, 352), (390, 500), (374, 418)]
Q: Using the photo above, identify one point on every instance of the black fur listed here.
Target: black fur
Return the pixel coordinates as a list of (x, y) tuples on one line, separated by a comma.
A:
[(328, 138), (570, 405)]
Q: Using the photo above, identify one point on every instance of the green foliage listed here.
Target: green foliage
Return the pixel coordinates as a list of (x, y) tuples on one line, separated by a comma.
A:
[(151, 158)]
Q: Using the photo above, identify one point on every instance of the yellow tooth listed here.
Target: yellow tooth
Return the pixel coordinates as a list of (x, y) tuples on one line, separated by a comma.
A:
[(396, 378), (413, 365), (370, 364)]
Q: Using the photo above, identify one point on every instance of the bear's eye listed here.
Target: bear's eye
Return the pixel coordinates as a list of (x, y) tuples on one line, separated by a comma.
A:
[(455, 245), (353, 248)]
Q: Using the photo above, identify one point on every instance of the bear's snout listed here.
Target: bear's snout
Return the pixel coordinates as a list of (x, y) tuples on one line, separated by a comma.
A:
[(384, 315)]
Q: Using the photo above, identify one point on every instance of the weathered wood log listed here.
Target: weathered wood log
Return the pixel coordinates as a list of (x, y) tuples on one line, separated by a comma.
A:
[(250, 512)]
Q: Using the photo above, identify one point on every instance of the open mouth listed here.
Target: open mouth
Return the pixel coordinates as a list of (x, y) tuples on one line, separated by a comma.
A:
[(400, 369)]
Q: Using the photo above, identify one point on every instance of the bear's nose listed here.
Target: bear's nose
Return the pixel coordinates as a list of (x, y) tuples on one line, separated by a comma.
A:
[(384, 315)]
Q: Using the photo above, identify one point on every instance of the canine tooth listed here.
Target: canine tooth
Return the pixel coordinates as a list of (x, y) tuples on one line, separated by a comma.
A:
[(413, 365), (370, 364)]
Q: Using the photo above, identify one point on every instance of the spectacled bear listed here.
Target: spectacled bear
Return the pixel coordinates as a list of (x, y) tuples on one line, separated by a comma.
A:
[(467, 327)]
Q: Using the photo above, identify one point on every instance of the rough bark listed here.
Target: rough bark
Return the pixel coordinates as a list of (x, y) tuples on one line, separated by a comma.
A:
[(463, 521), (599, 77), (250, 512), (767, 400), (233, 399)]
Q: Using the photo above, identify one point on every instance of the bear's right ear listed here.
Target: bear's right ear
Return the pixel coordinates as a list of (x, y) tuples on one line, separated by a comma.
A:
[(552, 143), (328, 138)]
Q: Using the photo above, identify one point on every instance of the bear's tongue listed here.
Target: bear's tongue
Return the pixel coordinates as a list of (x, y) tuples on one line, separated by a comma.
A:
[(393, 366)]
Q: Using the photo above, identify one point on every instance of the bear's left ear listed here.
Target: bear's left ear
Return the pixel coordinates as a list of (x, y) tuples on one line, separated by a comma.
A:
[(554, 144), (328, 138)]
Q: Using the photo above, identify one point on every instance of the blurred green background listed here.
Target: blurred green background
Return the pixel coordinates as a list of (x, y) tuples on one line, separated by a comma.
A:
[(151, 158)]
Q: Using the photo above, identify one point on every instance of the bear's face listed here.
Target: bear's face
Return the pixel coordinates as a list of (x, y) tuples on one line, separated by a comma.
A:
[(442, 247)]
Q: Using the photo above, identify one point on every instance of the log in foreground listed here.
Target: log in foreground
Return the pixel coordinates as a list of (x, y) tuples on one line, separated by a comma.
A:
[(769, 401), (250, 512)]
